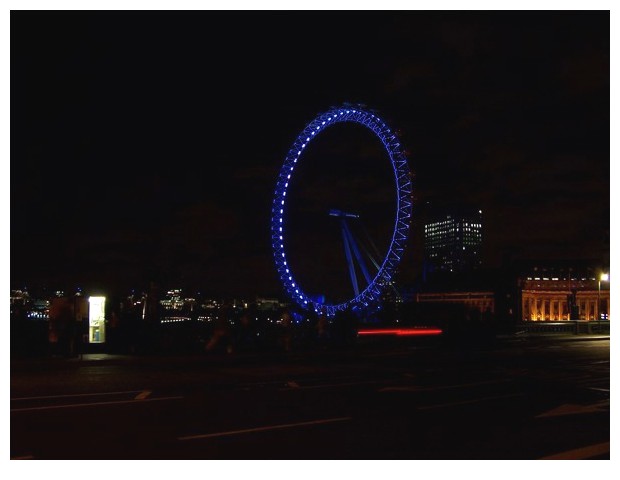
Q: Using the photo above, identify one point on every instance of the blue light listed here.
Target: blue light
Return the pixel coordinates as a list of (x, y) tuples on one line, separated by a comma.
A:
[(403, 211)]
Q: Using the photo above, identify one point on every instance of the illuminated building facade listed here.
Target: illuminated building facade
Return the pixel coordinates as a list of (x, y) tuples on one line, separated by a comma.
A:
[(554, 299), (479, 301), (453, 240), (527, 291)]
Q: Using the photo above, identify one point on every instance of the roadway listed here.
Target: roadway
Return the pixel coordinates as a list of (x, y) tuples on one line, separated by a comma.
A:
[(533, 398)]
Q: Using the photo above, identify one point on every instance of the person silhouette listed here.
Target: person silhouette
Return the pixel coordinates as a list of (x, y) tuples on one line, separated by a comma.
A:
[(221, 330)]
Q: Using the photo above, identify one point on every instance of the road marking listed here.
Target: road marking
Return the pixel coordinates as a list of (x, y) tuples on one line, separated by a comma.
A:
[(580, 453), (280, 382), (327, 385), (23, 457), (441, 387), (75, 395), (387, 354), (573, 409), (142, 395), (262, 429), (467, 402), (73, 405)]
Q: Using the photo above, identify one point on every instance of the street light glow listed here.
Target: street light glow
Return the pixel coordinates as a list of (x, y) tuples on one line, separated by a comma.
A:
[(603, 277)]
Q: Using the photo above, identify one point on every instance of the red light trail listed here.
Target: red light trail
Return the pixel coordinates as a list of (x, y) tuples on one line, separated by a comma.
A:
[(401, 331)]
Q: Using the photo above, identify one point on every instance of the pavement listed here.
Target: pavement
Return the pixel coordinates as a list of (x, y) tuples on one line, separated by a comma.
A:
[(553, 336), (334, 353)]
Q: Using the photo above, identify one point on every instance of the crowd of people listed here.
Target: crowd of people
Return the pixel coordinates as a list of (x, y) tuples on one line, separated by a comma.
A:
[(290, 330)]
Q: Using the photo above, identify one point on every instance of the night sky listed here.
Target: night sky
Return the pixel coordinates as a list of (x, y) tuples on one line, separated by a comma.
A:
[(145, 146)]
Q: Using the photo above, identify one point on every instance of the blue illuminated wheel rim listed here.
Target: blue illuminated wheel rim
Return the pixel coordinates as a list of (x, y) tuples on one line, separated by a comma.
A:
[(402, 174)]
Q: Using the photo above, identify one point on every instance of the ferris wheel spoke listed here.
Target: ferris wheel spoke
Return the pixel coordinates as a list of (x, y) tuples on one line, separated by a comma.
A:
[(347, 251), (356, 252)]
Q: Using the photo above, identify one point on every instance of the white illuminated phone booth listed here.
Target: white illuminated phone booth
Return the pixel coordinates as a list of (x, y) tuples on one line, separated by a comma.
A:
[(96, 320)]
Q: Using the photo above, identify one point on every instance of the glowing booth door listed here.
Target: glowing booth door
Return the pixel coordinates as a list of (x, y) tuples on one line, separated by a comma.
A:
[(96, 320)]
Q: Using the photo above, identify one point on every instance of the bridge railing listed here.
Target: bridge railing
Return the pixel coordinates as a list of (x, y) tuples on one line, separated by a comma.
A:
[(571, 327)]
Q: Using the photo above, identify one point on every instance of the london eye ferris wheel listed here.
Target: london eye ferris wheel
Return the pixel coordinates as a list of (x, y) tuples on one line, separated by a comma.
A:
[(366, 297)]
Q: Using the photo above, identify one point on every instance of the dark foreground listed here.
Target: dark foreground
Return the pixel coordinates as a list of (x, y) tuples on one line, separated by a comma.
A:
[(531, 398)]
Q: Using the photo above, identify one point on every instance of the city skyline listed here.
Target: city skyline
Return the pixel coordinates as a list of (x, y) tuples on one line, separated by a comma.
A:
[(152, 153)]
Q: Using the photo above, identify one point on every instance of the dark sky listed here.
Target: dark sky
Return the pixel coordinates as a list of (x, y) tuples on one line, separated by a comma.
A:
[(146, 145)]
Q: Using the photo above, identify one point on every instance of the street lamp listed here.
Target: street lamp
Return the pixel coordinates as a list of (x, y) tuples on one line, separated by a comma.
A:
[(603, 277)]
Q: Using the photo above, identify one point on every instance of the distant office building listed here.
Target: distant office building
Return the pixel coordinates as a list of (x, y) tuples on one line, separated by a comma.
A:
[(174, 300), (24, 304), (268, 303), (19, 297), (453, 240)]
